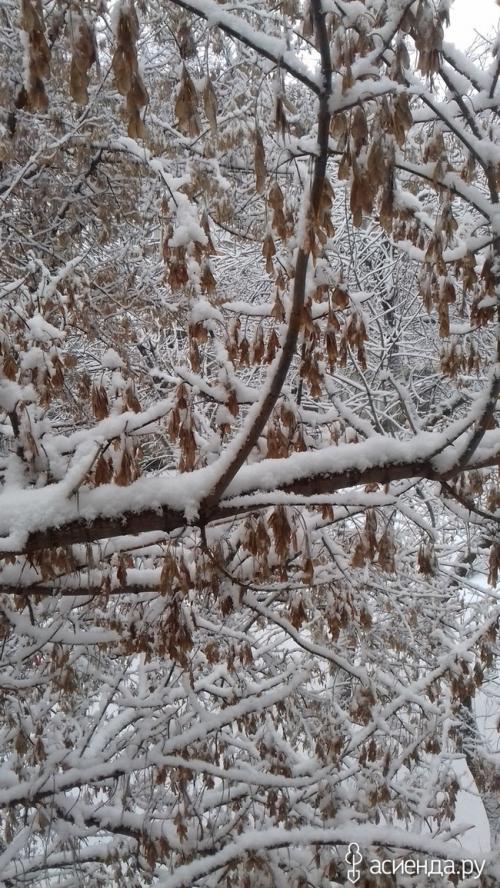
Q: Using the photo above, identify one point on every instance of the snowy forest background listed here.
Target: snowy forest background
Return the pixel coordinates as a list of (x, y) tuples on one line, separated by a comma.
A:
[(249, 443)]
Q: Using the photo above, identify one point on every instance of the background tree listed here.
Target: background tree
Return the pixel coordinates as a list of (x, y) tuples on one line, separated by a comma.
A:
[(249, 505)]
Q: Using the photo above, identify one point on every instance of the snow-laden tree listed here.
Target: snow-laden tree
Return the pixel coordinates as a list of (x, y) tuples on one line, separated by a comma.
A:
[(249, 445)]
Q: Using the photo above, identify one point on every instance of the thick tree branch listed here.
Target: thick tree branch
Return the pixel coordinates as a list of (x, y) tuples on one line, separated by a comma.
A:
[(168, 519)]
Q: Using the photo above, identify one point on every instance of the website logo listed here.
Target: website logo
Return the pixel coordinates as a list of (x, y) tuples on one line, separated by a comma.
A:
[(353, 858)]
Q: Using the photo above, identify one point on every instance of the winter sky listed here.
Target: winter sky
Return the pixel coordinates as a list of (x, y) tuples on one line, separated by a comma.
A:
[(471, 16), (468, 18)]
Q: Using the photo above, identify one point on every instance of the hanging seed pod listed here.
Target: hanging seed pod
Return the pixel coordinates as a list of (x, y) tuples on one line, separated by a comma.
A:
[(37, 64), (126, 68), (84, 56), (210, 104), (259, 163), (186, 106)]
